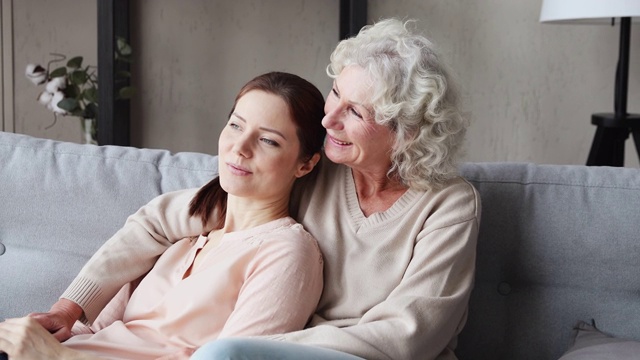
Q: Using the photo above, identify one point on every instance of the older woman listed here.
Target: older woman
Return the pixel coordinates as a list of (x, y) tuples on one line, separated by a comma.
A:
[(396, 225)]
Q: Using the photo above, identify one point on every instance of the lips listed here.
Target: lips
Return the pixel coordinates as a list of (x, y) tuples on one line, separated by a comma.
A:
[(338, 142), (238, 169)]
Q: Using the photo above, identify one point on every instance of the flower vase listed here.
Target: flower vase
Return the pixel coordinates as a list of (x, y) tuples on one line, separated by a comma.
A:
[(90, 131)]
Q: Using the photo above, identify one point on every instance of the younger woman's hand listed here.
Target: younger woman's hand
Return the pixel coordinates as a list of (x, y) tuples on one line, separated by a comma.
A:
[(25, 339)]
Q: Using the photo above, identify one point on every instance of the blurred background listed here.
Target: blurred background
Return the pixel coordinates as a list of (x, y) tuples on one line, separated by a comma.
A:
[(530, 87)]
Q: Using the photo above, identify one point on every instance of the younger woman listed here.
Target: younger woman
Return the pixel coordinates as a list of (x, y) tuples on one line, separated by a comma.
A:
[(258, 272)]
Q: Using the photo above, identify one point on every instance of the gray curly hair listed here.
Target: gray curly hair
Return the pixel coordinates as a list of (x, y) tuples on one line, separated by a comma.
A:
[(414, 95)]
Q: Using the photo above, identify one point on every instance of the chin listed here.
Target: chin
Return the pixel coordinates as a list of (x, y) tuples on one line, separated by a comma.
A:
[(336, 158)]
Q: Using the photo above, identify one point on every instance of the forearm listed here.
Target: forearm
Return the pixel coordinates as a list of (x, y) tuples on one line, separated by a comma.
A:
[(133, 250), (393, 336)]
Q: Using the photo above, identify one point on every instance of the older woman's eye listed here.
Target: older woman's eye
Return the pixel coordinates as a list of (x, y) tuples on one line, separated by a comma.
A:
[(335, 92), (356, 113)]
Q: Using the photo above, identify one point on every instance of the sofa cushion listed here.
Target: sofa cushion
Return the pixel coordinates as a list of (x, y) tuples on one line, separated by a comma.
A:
[(557, 243), (591, 344), (60, 201)]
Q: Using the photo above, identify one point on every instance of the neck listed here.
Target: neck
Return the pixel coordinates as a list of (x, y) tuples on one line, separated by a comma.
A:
[(243, 213), (377, 193), (372, 184)]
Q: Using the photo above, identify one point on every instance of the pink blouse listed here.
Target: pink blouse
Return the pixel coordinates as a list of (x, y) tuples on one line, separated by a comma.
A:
[(265, 280)]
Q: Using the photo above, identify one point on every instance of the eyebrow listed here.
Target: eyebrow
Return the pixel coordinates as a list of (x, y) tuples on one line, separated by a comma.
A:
[(335, 83), (262, 127)]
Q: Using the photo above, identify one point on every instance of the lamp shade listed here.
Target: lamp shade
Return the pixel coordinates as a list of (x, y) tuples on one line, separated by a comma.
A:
[(588, 11)]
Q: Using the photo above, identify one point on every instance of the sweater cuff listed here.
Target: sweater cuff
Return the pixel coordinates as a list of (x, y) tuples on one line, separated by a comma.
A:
[(88, 295)]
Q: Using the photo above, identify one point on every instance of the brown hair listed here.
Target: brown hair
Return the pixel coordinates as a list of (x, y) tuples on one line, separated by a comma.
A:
[(306, 108)]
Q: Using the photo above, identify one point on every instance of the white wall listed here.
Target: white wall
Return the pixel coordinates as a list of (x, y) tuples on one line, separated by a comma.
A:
[(531, 88)]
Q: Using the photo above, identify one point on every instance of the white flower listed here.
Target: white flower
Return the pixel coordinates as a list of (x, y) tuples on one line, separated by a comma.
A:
[(53, 105), (45, 97), (36, 74), (55, 84)]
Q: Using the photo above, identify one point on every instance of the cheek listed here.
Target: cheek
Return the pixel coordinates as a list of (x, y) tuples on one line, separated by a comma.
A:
[(224, 142)]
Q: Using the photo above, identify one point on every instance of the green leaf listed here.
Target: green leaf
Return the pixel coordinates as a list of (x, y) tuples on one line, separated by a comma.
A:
[(72, 91), (68, 104), (75, 63), (91, 94), (78, 77), (90, 112), (61, 71), (126, 92)]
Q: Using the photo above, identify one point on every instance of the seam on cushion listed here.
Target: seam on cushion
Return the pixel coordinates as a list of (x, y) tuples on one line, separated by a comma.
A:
[(155, 163), (498, 181)]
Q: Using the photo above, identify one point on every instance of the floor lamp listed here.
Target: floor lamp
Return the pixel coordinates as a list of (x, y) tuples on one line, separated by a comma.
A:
[(613, 129)]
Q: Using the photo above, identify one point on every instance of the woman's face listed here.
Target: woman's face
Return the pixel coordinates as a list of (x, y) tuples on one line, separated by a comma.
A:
[(259, 150), (353, 137)]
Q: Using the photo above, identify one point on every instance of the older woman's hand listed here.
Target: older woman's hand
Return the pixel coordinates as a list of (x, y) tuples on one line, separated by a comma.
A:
[(60, 319), (25, 339)]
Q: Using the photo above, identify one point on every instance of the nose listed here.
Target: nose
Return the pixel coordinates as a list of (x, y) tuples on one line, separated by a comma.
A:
[(332, 118), (242, 146)]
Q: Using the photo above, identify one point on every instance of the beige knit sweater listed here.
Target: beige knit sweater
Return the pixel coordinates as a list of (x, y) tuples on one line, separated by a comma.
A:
[(396, 283)]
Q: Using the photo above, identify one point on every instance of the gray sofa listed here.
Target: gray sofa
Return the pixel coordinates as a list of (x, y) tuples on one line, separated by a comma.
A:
[(557, 244)]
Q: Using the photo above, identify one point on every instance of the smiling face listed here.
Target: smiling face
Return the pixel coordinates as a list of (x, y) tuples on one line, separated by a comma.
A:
[(353, 137), (259, 150)]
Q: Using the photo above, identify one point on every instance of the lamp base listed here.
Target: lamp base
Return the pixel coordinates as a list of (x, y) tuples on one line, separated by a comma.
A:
[(613, 130)]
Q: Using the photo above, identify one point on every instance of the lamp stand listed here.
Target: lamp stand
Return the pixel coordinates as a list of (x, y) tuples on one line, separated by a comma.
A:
[(613, 129)]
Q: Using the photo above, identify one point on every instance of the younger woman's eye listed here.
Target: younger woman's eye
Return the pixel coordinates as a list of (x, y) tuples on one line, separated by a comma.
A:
[(335, 92), (269, 142), (234, 125)]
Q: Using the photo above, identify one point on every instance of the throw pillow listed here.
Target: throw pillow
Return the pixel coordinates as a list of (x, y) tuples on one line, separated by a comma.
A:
[(592, 344)]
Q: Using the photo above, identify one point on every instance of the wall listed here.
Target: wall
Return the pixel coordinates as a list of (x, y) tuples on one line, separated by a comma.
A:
[(531, 88), (36, 29), (194, 56)]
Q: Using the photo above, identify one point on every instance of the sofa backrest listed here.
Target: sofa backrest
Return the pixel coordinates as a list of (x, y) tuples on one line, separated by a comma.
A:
[(60, 201), (557, 244)]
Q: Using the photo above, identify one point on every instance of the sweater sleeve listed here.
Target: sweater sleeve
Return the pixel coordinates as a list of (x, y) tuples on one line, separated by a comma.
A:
[(424, 312), (132, 251), (282, 287)]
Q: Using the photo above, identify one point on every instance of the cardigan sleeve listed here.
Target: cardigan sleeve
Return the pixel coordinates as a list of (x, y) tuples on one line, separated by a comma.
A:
[(424, 312), (282, 286), (132, 251)]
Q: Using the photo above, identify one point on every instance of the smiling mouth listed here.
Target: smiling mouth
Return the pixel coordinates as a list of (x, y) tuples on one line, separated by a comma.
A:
[(338, 142)]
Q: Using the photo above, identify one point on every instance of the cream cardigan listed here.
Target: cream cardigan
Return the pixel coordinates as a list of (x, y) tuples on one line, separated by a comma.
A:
[(396, 283)]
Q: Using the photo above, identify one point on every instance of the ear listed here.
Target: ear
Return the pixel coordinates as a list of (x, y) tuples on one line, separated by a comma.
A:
[(307, 166)]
